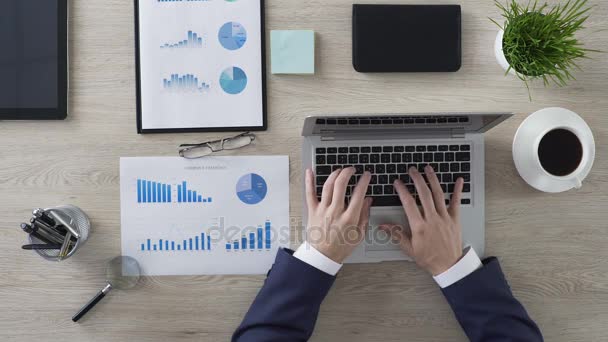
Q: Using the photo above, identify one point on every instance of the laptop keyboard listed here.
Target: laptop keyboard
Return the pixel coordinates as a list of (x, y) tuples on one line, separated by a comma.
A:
[(390, 162)]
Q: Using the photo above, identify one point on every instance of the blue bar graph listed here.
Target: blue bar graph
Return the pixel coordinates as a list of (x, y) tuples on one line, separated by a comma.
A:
[(195, 243), (149, 192), (267, 235), (259, 240), (187, 83), (193, 41), (139, 193), (141, 188), (260, 246), (156, 192)]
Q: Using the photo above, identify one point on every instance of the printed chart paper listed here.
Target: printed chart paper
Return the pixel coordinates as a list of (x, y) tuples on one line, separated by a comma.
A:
[(214, 215), (200, 64)]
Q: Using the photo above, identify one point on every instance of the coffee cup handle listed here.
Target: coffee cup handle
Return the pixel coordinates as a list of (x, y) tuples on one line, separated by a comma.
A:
[(577, 183)]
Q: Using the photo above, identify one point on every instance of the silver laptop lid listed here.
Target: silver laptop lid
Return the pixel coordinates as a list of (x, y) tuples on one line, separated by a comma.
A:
[(419, 124)]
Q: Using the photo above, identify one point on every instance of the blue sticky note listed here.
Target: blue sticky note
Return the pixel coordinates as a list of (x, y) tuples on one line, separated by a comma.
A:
[(292, 51)]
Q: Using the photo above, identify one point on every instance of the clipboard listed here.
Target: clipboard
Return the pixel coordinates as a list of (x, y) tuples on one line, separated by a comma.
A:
[(200, 66)]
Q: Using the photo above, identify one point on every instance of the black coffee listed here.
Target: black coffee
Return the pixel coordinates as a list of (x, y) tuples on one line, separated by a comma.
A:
[(560, 152)]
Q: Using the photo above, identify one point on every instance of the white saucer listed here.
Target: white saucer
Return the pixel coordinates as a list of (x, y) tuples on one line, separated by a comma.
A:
[(525, 148)]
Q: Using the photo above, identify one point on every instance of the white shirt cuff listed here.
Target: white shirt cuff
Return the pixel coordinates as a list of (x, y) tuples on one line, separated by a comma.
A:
[(468, 264), (316, 259)]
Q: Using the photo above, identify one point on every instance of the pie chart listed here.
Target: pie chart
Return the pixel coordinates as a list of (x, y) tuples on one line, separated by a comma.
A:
[(251, 188), (232, 35), (233, 80)]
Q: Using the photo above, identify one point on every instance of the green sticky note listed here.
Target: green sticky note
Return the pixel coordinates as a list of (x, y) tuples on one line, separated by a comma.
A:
[(292, 51)]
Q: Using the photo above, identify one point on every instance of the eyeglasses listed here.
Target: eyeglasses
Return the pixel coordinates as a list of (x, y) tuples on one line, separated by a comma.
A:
[(193, 151)]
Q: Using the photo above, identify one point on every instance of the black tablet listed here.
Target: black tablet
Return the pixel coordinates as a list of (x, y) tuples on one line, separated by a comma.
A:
[(34, 59), (406, 38)]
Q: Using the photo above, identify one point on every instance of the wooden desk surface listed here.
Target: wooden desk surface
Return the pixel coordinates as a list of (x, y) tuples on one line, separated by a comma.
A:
[(553, 248)]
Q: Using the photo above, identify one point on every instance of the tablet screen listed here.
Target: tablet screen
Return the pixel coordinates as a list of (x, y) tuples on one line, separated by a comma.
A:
[(32, 63)]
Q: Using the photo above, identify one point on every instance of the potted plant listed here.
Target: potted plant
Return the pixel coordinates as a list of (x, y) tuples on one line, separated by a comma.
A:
[(538, 41)]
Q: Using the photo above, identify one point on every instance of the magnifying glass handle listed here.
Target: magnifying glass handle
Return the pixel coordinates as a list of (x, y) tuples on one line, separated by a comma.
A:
[(92, 303)]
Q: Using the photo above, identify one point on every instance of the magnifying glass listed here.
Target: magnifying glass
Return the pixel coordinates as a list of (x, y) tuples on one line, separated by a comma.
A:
[(122, 273)]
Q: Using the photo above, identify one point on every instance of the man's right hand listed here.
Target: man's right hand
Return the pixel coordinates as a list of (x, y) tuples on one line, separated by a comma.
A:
[(434, 240), (335, 229)]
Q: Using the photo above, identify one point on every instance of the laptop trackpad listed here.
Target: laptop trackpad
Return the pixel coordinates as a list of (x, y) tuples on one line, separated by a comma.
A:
[(379, 244)]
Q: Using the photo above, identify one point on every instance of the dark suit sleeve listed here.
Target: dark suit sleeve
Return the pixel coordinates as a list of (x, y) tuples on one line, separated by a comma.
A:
[(287, 306), (486, 309)]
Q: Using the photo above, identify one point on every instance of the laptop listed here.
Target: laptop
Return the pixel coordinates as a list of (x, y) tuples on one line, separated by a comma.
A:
[(387, 146)]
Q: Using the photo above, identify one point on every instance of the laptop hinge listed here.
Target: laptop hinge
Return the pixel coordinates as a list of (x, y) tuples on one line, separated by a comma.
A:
[(331, 135), (458, 133)]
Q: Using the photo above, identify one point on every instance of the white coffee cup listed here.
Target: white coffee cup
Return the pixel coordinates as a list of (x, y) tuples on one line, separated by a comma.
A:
[(526, 149)]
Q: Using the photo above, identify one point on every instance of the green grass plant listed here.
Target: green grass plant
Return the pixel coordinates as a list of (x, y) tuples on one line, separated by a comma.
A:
[(539, 41)]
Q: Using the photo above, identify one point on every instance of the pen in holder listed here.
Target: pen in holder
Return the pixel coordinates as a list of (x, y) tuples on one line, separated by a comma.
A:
[(57, 233)]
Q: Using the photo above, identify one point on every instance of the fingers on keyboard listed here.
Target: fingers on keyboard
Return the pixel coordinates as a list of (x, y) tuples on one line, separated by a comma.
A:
[(389, 163)]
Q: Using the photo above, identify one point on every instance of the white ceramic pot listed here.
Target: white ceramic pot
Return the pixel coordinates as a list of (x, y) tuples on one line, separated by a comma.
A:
[(500, 56), (527, 140)]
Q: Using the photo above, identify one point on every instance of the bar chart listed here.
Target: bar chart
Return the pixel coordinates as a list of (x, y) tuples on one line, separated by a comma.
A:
[(201, 242), (157, 192), (259, 240), (193, 41), (184, 84)]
